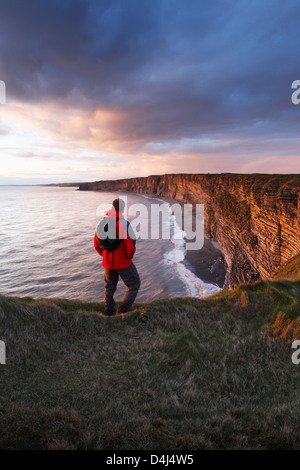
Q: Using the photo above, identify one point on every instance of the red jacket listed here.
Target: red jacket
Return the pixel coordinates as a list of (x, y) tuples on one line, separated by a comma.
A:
[(122, 257)]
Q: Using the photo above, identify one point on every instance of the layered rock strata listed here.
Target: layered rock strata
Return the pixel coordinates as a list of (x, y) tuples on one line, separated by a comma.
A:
[(255, 218)]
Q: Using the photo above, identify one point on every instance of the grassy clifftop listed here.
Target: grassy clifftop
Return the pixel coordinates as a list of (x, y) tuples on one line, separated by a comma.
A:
[(178, 373)]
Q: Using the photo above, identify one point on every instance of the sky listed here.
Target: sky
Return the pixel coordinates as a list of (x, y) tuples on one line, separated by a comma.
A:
[(105, 89)]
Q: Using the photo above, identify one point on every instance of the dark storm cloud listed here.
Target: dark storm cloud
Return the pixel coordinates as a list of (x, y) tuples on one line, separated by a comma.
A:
[(176, 68)]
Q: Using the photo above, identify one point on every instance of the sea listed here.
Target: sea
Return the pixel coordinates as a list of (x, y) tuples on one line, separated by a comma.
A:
[(47, 247)]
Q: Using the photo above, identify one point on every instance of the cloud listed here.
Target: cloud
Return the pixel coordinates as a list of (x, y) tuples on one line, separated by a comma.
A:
[(4, 129), (208, 83)]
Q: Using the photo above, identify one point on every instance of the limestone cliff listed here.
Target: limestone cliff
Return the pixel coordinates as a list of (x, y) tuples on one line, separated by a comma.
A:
[(255, 218)]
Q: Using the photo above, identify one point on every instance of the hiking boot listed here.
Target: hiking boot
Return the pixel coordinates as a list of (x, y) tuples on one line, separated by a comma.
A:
[(109, 313)]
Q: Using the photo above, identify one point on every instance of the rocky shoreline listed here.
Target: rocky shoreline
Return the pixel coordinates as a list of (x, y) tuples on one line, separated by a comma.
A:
[(208, 264)]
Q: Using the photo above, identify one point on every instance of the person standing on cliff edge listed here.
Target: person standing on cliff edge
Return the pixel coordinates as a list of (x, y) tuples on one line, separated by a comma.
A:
[(119, 262)]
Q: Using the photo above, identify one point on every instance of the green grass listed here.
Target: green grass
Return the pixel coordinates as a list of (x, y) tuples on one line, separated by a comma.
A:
[(173, 374)]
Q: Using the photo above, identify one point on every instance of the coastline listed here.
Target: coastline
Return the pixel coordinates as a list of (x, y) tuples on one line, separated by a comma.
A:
[(252, 216), (208, 263)]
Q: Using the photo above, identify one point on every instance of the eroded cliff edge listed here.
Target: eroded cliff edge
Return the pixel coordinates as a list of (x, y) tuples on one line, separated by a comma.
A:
[(255, 218)]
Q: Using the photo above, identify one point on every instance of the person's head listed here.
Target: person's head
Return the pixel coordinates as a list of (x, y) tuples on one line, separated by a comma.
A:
[(119, 205)]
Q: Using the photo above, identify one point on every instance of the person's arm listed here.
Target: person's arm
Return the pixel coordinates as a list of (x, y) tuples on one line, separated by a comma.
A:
[(96, 246), (128, 242)]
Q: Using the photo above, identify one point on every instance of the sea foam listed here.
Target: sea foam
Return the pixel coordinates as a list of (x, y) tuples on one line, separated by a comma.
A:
[(173, 259)]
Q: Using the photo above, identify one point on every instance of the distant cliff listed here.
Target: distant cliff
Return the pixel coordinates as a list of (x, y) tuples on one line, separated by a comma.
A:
[(255, 218)]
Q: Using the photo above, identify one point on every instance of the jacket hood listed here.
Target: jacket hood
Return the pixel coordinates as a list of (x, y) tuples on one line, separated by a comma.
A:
[(113, 214)]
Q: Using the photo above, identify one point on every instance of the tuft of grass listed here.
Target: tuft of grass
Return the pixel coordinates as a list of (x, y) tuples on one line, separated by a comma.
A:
[(173, 374)]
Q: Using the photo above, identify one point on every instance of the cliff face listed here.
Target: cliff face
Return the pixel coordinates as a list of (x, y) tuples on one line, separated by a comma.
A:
[(255, 218)]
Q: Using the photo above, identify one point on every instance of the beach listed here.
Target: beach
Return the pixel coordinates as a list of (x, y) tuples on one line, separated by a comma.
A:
[(208, 263)]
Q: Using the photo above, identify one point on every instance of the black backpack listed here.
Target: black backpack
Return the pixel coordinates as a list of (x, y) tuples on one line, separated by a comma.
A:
[(106, 227)]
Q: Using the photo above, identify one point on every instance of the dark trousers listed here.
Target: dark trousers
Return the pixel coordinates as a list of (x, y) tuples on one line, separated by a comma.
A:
[(131, 279)]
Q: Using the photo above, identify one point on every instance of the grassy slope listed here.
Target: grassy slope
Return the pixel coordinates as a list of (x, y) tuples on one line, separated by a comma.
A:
[(183, 374)]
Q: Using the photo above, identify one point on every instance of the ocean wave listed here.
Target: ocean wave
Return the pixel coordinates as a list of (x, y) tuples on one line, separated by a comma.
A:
[(174, 258)]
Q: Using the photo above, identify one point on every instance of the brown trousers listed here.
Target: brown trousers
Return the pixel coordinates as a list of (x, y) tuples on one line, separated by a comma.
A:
[(131, 279)]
